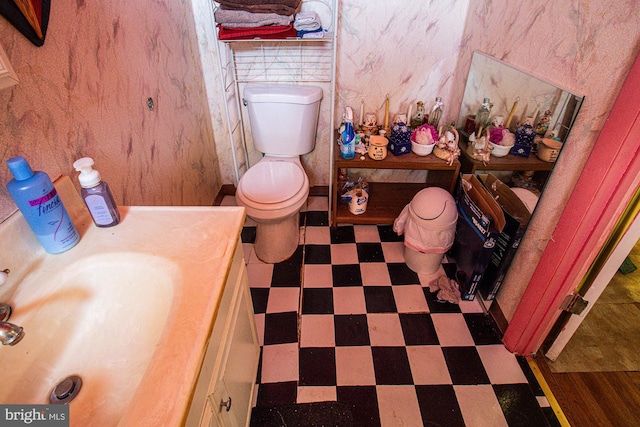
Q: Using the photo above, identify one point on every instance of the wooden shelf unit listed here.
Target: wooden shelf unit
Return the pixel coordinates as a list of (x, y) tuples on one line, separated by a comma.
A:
[(387, 199)]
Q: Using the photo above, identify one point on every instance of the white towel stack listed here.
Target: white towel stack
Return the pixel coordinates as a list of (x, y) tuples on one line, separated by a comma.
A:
[(308, 25)]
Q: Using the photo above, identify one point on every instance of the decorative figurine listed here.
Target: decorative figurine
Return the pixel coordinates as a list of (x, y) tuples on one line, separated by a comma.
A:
[(447, 146), (482, 149), (418, 118), (370, 125)]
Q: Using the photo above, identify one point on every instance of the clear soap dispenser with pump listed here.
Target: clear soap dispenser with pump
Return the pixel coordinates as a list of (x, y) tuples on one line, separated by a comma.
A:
[(96, 194)]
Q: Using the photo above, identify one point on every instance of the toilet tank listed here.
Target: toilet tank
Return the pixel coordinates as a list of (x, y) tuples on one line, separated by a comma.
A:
[(283, 118)]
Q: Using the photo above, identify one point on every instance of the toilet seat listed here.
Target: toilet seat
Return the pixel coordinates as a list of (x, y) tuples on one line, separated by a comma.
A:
[(272, 181)]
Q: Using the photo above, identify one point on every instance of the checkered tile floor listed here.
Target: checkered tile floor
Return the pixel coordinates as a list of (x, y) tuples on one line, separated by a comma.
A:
[(346, 320)]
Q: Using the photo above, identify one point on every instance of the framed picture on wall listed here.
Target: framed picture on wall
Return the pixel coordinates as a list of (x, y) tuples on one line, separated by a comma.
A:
[(30, 17)]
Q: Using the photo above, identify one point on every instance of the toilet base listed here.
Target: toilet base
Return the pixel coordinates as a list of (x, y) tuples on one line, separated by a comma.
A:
[(277, 241)]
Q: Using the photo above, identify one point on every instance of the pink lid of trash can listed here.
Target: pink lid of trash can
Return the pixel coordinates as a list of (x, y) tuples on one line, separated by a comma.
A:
[(435, 204)]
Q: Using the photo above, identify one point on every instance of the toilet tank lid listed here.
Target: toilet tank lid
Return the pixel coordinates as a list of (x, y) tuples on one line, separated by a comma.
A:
[(285, 94)]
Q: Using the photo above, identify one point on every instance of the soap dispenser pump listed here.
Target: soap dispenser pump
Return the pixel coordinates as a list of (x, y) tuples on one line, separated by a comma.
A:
[(96, 194)]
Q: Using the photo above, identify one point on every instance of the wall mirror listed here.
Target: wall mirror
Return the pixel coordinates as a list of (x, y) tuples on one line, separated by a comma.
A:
[(525, 167), (514, 92)]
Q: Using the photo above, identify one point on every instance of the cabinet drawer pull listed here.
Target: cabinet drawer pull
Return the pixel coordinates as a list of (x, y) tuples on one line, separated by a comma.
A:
[(226, 405)]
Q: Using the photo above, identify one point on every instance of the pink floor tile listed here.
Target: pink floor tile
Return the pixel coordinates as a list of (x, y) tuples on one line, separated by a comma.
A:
[(452, 330), (345, 253), (259, 275), (479, 406), (354, 366), (349, 300), (385, 329), (501, 365), (375, 274), (410, 299), (366, 233), (279, 363), (317, 330), (428, 365), (282, 300), (393, 251), (398, 406), (318, 276)]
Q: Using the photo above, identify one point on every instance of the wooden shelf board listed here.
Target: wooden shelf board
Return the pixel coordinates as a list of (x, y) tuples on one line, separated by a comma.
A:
[(386, 201)]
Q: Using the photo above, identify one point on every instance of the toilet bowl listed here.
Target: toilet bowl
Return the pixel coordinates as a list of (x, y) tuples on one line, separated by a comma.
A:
[(283, 120), (272, 192)]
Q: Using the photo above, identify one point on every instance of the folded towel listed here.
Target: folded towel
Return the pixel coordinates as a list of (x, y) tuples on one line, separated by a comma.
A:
[(314, 34), (281, 7), (266, 32), (307, 21), (244, 19)]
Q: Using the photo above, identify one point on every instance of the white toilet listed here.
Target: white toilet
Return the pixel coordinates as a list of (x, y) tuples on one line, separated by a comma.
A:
[(283, 120)]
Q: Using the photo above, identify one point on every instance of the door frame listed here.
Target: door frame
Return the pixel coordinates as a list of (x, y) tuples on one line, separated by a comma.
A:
[(614, 260), (606, 186)]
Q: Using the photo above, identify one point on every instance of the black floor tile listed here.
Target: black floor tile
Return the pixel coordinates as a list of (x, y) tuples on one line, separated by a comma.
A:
[(346, 275), (317, 366), (528, 373), (436, 306), (317, 254), (388, 235), (285, 275), (465, 366), (248, 235), (551, 417), (259, 374), (271, 394), (400, 274), (370, 252), (296, 258), (351, 330), (317, 218), (418, 329), (482, 328), (439, 406), (317, 301), (343, 234), (391, 365), (519, 405), (379, 299), (260, 297), (280, 328), (363, 401)]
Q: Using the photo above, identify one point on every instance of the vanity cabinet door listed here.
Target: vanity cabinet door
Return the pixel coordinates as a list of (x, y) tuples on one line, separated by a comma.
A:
[(232, 397)]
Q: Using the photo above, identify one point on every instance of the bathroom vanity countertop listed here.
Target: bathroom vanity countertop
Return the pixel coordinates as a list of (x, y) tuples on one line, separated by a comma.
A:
[(198, 242)]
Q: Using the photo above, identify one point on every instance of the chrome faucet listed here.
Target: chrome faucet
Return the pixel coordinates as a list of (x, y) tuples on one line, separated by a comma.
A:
[(10, 334)]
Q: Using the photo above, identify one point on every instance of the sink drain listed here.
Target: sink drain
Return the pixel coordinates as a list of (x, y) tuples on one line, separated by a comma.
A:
[(66, 390)]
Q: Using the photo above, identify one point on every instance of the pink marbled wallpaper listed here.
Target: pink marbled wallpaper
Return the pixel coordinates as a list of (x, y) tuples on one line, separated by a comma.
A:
[(84, 93)]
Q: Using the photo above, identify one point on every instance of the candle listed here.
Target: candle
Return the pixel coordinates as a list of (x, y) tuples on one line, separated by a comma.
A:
[(511, 113), (361, 112), (409, 113), (386, 113)]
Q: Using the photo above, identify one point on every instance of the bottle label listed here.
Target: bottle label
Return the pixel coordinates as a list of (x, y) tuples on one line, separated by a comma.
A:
[(55, 232), (99, 209), (40, 201)]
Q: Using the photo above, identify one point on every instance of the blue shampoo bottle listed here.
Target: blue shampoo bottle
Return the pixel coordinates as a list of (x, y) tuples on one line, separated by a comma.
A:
[(40, 204)]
